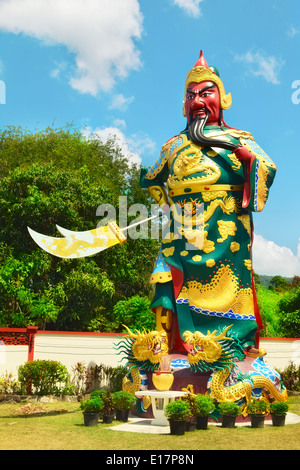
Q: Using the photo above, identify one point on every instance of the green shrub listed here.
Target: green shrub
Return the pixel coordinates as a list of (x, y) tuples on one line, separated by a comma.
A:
[(178, 410), (279, 408), (107, 398), (92, 405), (123, 400), (97, 393), (204, 405), (290, 377), (229, 409), (258, 407), (43, 377)]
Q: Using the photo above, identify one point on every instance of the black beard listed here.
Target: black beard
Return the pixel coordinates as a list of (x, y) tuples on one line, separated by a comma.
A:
[(195, 129)]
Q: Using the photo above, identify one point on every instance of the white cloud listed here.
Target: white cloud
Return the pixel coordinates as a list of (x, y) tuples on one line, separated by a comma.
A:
[(120, 123), (262, 65), (132, 147), (292, 32), (100, 34), (271, 259), (191, 7), (120, 102)]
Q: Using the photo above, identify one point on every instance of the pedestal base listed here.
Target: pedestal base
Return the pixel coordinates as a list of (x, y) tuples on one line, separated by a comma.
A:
[(159, 400)]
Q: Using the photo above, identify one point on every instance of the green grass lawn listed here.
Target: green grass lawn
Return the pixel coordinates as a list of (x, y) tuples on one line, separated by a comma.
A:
[(59, 426)]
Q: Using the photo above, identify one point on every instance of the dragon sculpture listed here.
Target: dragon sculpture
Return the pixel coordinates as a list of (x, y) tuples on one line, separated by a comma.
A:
[(143, 351), (220, 354)]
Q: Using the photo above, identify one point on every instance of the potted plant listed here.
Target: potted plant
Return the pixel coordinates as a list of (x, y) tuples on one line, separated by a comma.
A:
[(122, 402), (257, 409), (229, 412), (91, 409), (190, 420), (108, 410), (278, 411), (163, 377), (204, 406), (177, 411)]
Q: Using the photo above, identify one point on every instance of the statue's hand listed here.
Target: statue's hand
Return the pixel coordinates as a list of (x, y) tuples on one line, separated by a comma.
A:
[(243, 154), (165, 208)]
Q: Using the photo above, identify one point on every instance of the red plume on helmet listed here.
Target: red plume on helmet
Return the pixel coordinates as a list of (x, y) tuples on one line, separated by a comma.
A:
[(201, 62)]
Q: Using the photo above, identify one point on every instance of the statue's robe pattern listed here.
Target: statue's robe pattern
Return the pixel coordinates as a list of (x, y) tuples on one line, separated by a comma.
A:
[(203, 272)]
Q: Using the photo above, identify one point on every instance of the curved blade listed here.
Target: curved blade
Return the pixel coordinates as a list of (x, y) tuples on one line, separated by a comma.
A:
[(78, 244)]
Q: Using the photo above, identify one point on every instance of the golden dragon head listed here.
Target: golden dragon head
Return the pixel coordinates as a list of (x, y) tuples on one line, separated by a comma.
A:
[(202, 347), (151, 346)]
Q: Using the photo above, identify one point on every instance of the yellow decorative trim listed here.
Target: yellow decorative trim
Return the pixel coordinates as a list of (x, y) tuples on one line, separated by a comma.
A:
[(184, 253), (168, 251), (226, 229), (221, 294), (160, 277), (195, 186), (210, 263), (236, 162), (169, 237), (197, 258), (245, 219), (248, 264), (234, 246), (208, 245), (211, 153), (159, 194)]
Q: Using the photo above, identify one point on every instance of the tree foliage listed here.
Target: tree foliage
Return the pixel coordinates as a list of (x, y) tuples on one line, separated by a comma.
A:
[(280, 307), (59, 177)]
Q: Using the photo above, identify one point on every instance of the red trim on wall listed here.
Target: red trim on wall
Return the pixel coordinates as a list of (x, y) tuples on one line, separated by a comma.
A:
[(20, 337), (95, 333)]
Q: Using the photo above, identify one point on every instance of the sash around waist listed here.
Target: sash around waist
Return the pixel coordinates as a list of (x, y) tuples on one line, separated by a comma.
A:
[(201, 188)]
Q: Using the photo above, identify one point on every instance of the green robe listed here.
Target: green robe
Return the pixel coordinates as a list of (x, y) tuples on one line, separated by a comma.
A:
[(203, 272)]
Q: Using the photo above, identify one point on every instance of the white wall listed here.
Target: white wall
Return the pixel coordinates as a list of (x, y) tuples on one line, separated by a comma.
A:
[(92, 349), (281, 351)]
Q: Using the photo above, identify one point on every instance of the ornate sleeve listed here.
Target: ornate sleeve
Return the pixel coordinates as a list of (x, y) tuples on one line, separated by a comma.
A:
[(259, 177)]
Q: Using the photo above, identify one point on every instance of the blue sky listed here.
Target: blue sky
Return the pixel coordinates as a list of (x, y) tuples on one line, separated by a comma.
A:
[(119, 67)]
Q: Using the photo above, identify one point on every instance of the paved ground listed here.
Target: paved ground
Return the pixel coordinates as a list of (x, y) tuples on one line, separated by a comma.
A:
[(144, 425)]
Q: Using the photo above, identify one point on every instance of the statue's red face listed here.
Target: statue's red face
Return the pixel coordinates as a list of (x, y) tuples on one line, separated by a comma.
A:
[(202, 98)]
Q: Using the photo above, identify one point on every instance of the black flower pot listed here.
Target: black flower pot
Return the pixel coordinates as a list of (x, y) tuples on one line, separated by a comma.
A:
[(202, 422), (228, 421), (257, 421), (122, 415), (278, 420), (177, 427), (90, 419), (108, 418), (190, 425)]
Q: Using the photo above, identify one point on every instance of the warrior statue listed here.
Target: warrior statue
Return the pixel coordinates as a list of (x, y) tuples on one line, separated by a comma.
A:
[(205, 281), (209, 179)]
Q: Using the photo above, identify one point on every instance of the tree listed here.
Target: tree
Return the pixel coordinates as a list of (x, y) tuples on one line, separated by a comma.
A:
[(268, 302), (289, 319), (135, 313), (70, 178), (278, 283)]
